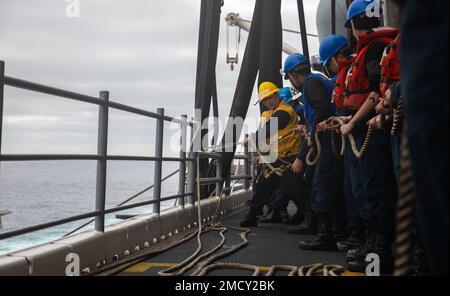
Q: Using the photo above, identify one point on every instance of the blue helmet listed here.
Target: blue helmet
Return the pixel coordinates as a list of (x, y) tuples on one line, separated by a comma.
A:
[(356, 8), (330, 46), (286, 95), (293, 61)]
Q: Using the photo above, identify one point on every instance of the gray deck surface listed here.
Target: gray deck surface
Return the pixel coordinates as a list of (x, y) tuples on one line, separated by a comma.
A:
[(269, 244)]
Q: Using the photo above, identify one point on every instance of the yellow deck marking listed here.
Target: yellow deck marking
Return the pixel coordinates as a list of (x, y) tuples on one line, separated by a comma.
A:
[(349, 273), (145, 266)]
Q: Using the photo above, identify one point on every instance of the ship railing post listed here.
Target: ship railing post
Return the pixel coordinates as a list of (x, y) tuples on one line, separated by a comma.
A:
[(252, 169), (159, 140), (247, 165), (192, 174), (2, 88), (102, 151), (228, 186), (219, 182), (182, 173), (192, 178)]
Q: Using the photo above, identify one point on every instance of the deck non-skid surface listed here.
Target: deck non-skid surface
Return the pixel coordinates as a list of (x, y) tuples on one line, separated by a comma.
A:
[(269, 244)]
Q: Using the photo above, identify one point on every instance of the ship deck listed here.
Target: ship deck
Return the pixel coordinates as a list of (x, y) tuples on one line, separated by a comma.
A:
[(269, 245)]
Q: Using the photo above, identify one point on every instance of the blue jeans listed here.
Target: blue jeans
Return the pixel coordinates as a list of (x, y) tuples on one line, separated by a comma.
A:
[(396, 156), (328, 179), (353, 189), (377, 176), (273, 190)]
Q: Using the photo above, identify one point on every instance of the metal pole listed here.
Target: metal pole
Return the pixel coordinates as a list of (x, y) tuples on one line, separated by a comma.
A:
[(219, 184), (182, 172), (158, 163), (192, 168), (252, 169), (102, 150), (228, 186), (2, 83), (333, 16), (247, 165), (301, 14)]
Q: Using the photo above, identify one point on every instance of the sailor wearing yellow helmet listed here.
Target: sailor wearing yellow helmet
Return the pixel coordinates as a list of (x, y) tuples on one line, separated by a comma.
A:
[(284, 171)]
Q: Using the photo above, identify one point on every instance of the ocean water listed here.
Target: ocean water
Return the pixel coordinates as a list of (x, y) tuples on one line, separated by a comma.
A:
[(38, 192)]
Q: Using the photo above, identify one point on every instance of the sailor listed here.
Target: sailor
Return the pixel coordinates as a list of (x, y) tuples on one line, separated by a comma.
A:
[(287, 97), (337, 58), (378, 205), (425, 73), (283, 171), (280, 194), (317, 93), (391, 100)]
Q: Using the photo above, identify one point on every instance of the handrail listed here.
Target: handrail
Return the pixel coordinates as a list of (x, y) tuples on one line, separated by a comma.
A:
[(39, 157), (102, 156), (43, 226), (53, 91)]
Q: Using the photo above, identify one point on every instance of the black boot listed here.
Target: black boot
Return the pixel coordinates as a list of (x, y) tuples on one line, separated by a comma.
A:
[(360, 252), (355, 240), (418, 262), (308, 226), (250, 220), (296, 219), (339, 226), (259, 212), (274, 217), (324, 240), (284, 214), (383, 248), (381, 238)]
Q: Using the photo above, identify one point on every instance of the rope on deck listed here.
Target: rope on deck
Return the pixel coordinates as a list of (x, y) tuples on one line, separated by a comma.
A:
[(208, 265), (209, 262)]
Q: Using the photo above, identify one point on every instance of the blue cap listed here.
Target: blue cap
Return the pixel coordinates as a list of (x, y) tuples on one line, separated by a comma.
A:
[(356, 8), (330, 46), (286, 95), (293, 61)]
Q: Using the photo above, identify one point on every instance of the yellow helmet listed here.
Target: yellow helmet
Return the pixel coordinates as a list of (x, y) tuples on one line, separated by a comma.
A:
[(266, 89)]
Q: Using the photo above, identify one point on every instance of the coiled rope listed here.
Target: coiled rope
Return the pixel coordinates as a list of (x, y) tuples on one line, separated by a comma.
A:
[(405, 214), (209, 264), (209, 260), (338, 122), (317, 150), (358, 152), (398, 118)]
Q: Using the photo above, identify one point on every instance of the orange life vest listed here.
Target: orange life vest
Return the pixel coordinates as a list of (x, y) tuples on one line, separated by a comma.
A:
[(338, 95), (357, 83), (390, 66)]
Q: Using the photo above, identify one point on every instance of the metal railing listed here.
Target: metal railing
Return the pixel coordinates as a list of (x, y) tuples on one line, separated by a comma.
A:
[(186, 159)]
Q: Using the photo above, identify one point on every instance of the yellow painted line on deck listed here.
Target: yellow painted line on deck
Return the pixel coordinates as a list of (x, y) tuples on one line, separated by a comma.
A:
[(145, 266)]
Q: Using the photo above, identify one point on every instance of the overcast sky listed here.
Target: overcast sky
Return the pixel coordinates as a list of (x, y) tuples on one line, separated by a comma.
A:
[(142, 51)]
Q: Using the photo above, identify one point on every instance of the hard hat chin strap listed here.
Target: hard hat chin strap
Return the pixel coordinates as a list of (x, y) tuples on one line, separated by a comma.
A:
[(294, 81)]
